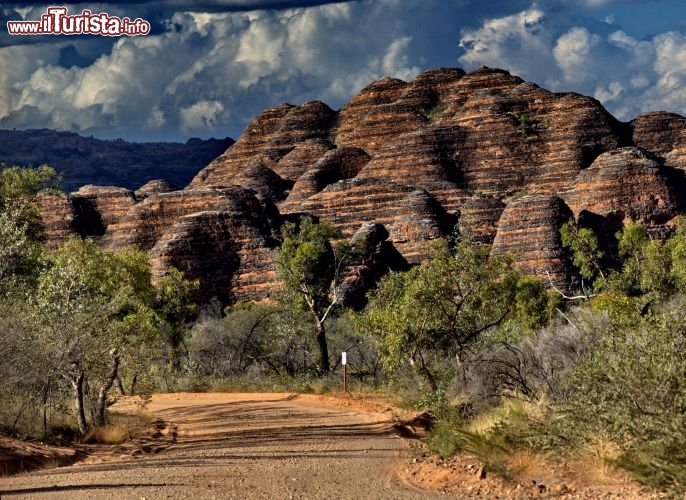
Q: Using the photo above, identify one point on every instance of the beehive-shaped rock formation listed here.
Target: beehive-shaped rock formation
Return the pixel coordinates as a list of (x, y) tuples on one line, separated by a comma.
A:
[(483, 154)]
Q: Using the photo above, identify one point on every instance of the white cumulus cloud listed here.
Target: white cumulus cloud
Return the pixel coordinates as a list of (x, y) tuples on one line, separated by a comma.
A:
[(207, 73), (508, 42), (201, 116), (627, 75)]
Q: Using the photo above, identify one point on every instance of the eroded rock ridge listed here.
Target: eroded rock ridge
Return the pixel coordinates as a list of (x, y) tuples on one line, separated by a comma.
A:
[(483, 154)]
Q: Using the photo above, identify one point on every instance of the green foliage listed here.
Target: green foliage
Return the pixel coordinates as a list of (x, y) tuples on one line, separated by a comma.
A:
[(622, 310), (441, 306), (449, 438), (436, 111), (586, 254), (19, 186), (533, 304), (633, 382), (73, 313), (528, 123), (307, 263), (93, 302), (310, 268), (176, 308), (174, 299), (650, 269), (19, 252), (111, 293), (20, 228), (631, 241)]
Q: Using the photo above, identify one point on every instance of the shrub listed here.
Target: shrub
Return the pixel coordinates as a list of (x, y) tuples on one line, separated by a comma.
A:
[(633, 382), (534, 365)]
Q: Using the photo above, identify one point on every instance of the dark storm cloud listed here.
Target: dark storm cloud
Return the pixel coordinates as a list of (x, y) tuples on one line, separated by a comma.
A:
[(208, 67), (205, 6)]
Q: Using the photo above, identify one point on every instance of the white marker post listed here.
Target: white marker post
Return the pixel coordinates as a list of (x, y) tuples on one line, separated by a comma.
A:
[(344, 362)]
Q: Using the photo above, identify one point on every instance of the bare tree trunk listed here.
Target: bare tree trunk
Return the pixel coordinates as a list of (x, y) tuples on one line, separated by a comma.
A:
[(106, 386), (134, 379), (423, 370), (120, 386), (324, 366), (46, 398), (77, 378)]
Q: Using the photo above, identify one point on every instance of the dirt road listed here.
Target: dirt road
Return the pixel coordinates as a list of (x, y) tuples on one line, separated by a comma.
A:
[(241, 446)]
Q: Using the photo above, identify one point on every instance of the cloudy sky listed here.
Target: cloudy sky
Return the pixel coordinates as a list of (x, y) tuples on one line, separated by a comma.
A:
[(208, 67)]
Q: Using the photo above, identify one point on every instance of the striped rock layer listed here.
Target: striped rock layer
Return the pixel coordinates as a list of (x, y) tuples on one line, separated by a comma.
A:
[(484, 154)]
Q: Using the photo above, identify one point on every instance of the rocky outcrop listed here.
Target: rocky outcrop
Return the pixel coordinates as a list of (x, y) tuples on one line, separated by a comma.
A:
[(529, 229), (96, 208), (479, 217), (338, 164), (57, 217), (526, 139), (230, 253), (483, 154), (428, 159), (87, 212), (659, 132), (380, 93), (412, 217), (302, 158), (263, 180), (628, 183), (268, 139), (378, 257), (145, 222), (156, 186), (431, 88)]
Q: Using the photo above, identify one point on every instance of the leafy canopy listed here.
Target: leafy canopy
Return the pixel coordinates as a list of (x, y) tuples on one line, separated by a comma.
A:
[(442, 305), (586, 254), (307, 263), (20, 228)]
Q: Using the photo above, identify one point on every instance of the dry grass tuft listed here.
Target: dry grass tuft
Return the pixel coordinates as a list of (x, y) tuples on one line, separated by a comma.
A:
[(121, 428), (528, 463), (513, 408), (596, 459), (107, 434)]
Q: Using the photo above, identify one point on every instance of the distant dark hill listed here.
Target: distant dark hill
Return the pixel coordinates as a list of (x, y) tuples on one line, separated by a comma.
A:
[(85, 160)]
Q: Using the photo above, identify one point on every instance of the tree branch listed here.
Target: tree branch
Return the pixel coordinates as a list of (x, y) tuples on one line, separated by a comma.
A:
[(567, 297)]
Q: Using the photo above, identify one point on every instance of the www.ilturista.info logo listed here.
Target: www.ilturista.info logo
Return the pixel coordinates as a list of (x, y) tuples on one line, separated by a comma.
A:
[(56, 22)]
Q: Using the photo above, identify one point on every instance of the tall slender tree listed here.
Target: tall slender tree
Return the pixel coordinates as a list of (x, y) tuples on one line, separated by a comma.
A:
[(310, 267)]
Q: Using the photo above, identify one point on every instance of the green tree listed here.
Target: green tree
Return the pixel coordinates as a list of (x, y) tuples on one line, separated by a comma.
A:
[(632, 242), (533, 304), (176, 308), (17, 249), (20, 228), (441, 306), (311, 268), (19, 190), (96, 308), (650, 268), (586, 254)]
